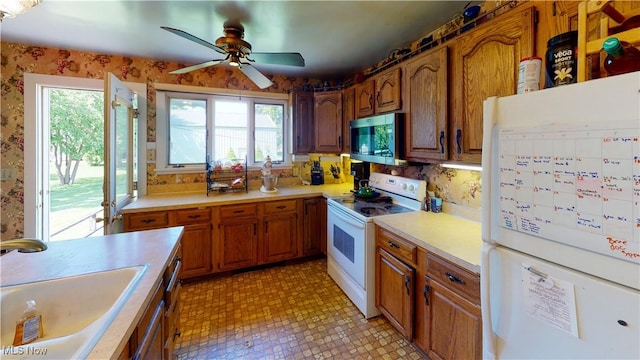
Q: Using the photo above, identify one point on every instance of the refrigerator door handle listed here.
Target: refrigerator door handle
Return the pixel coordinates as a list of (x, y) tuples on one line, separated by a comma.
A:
[(488, 338), (488, 141)]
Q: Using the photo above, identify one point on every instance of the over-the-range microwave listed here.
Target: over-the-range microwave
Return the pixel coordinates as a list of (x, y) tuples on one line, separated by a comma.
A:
[(378, 139)]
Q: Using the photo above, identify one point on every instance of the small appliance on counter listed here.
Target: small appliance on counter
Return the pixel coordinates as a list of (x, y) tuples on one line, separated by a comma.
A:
[(360, 171), (269, 182), (317, 174)]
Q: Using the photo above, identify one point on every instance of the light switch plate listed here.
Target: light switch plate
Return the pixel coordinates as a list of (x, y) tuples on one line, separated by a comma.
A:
[(8, 174), (151, 155)]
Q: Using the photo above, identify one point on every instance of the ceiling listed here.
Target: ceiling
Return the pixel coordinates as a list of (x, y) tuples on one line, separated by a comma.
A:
[(336, 38)]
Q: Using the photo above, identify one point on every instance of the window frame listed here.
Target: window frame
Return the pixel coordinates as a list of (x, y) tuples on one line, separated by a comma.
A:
[(164, 92)]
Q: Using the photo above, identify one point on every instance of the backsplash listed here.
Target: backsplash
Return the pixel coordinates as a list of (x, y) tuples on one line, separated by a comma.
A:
[(461, 187)]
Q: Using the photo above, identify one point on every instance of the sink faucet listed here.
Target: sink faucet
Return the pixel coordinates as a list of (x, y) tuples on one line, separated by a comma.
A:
[(23, 245)]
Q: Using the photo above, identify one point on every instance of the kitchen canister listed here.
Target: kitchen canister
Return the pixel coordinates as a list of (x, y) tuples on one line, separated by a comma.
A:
[(562, 62), (529, 74)]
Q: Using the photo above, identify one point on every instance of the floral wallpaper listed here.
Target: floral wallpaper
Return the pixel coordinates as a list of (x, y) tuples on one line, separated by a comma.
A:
[(461, 187), (455, 186), (16, 59)]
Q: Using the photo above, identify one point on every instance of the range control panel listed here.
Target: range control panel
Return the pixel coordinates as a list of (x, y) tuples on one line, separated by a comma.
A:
[(411, 188)]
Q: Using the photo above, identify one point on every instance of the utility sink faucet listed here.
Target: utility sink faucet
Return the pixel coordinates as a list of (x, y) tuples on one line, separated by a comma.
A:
[(22, 245)]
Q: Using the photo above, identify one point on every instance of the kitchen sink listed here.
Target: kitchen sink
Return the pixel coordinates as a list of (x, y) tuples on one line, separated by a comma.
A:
[(76, 311)]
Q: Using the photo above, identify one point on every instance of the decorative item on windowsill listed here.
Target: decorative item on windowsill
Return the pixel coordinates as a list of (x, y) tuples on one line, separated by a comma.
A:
[(269, 182)]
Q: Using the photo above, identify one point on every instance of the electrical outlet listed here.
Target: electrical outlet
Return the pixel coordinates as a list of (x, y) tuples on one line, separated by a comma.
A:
[(151, 155), (8, 174)]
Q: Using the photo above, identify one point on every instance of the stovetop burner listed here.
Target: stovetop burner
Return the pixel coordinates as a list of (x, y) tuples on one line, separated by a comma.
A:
[(382, 205)]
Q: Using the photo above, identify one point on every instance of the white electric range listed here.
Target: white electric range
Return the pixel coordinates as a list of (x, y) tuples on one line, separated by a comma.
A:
[(351, 235)]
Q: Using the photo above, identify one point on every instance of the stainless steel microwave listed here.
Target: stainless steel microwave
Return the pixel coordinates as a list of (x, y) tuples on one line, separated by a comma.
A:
[(378, 139)]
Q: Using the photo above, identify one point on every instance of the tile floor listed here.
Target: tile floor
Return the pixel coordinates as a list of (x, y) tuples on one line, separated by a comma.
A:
[(284, 312)]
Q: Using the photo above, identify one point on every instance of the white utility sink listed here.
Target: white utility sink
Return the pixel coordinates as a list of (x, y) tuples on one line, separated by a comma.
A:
[(76, 311)]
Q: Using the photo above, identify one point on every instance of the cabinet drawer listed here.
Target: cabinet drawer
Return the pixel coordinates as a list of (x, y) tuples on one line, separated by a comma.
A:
[(396, 245), (276, 207), (172, 282), (190, 216), (234, 211), (146, 324), (146, 220), (455, 278)]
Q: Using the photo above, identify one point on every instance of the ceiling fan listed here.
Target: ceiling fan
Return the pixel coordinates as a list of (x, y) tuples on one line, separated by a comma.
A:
[(238, 53)]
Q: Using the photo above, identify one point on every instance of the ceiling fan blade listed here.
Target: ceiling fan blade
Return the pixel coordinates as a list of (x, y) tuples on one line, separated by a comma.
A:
[(256, 76), (291, 59), (197, 66), (195, 39)]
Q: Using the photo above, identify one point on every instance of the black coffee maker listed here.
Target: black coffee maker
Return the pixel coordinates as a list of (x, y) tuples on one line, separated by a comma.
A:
[(360, 171)]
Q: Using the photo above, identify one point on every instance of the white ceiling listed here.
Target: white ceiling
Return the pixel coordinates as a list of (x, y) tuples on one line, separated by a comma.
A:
[(336, 38)]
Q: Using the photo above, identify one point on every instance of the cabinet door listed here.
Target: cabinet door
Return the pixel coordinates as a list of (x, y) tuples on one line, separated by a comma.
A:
[(237, 245), (394, 292), (426, 119), (196, 250), (280, 237), (348, 114), (485, 64), (453, 324), (365, 99), (388, 91), (303, 127), (328, 119), (314, 226)]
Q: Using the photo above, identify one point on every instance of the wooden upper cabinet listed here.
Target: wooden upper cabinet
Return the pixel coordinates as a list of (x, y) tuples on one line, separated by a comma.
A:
[(328, 121), (426, 119), (484, 64), (365, 98), (348, 114), (379, 94), (388, 91), (302, 115)]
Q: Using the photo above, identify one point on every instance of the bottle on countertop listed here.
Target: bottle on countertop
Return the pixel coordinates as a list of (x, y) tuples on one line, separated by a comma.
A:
[(621, 58), (29, 327)]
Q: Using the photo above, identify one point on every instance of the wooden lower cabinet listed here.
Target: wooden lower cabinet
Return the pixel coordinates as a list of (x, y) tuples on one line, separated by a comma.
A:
[(394, 291), (237, 244), (428, 299), (449, 316), (314, 226), (453, 324), (196, 250), (280, 237), (150, 342)]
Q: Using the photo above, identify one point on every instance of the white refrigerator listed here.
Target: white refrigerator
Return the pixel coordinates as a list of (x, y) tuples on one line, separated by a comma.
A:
[(560, 274)]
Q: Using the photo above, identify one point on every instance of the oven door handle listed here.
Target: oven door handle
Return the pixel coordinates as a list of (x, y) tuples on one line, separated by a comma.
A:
[(346, 217)]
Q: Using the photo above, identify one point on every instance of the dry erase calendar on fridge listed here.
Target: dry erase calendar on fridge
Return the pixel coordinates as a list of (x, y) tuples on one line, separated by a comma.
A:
[(577, 184)]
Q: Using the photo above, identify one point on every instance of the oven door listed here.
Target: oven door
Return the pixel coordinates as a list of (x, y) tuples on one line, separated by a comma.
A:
[(346, 240)]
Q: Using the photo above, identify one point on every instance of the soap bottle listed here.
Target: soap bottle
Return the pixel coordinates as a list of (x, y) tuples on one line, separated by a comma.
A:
[(29, 327)]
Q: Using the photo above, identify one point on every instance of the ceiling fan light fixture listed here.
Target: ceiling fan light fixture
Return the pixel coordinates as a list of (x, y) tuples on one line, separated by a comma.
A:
[(11, 8), (235, 60)]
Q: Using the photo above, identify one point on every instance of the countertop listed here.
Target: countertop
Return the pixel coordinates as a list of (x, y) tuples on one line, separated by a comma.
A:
[(81, 256), (452, 237), (453, 234), (187, 200)]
